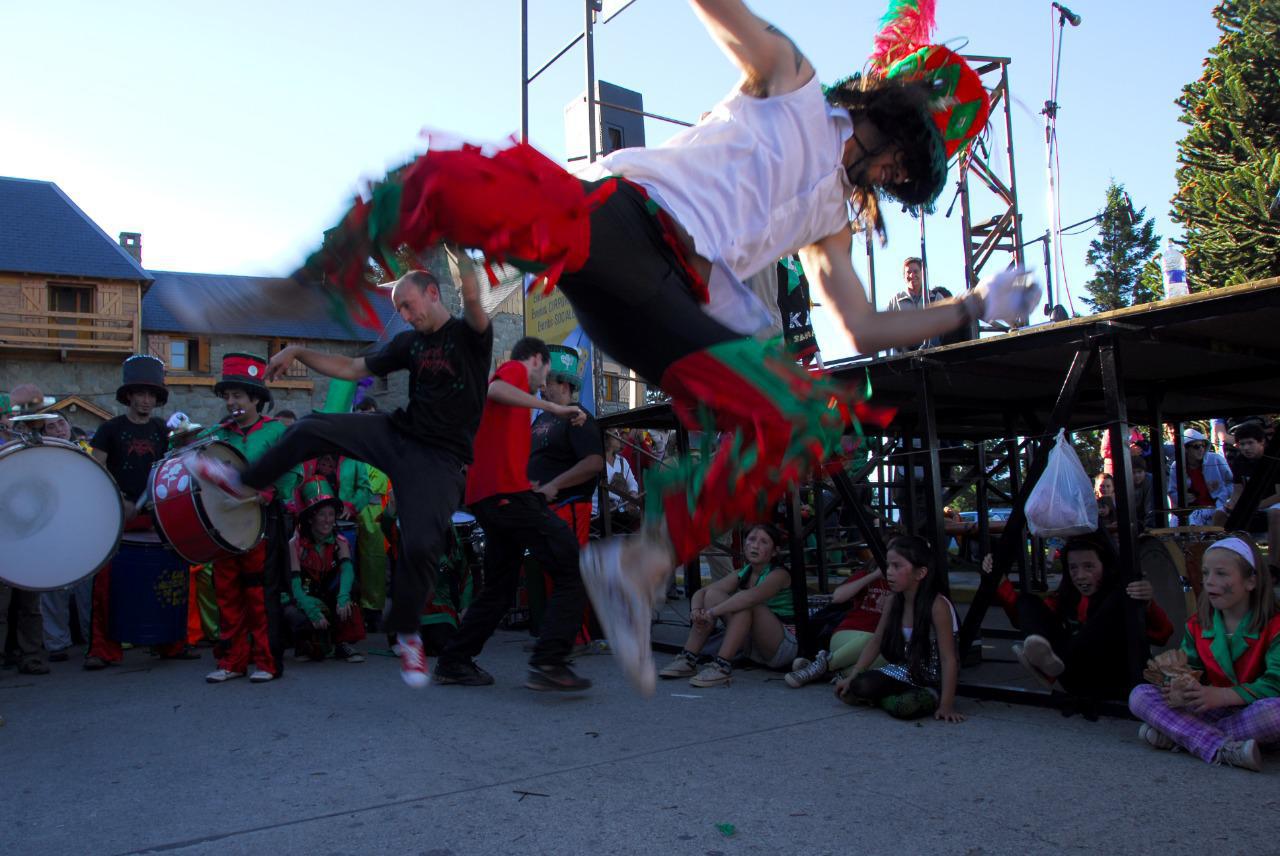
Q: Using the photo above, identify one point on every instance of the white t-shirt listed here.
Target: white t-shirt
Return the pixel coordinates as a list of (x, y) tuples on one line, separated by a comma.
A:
[(755, 180)]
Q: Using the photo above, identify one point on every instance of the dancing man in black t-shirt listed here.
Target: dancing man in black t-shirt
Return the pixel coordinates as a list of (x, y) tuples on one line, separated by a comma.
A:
[(421, 448)]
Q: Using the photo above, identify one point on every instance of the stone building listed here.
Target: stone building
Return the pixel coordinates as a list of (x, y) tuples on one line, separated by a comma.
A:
[(74, 304)]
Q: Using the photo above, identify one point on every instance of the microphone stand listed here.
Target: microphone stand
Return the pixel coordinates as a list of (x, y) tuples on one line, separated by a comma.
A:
[(1050, 113)]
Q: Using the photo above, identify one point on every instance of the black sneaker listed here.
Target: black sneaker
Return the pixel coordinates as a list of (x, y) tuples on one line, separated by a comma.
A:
[(557, 678), (463, 672)]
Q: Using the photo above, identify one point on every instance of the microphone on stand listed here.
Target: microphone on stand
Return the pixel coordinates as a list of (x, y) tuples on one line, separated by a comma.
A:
[(1071, 17)]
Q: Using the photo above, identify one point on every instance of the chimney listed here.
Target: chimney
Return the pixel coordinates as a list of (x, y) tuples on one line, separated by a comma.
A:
[(132, 243)]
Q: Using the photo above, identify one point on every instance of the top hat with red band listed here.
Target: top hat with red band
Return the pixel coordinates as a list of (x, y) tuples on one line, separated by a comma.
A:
[(244, 371), (142, 371), (315, 493)]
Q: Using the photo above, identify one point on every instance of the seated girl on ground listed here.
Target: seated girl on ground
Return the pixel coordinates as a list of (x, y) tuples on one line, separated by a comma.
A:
[(322, 617), (917, 638), (1234, 638), (866, 594), (1076, 637), (753, 604)]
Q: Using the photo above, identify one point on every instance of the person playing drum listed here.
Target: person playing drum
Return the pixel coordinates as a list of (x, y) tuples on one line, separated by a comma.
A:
[(323, 617), (248, 586), (128, 445)]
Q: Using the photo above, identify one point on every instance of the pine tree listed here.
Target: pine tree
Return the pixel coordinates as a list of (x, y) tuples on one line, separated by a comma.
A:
[(1150, 285), (1229, 171), (1125, 242)]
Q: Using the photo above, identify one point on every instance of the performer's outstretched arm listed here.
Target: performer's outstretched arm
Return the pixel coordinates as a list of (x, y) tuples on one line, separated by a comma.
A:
[(771, 63), (464, 273), (330, 365), (834, 282)]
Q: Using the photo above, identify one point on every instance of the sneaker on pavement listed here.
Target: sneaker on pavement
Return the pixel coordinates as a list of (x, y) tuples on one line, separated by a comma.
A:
[(1155, 737), (797, 678), (713, 675), (464, 673), (1039, 652), (33, 666), (683, 666), (93, 664), (595, 646), (218, 676), (623, 608), (413, 661), (261, 677), (555, 678), (1240, 753), (346, 651)]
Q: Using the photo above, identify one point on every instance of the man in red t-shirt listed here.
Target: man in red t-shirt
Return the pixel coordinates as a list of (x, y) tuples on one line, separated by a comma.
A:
[(514, 519)]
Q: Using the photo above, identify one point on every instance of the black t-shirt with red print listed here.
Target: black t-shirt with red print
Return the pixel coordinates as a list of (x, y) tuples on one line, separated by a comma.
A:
[(131, 449), (448, 381)]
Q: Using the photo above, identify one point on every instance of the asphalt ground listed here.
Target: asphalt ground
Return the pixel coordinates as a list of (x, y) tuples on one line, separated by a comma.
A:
[(339, 758)]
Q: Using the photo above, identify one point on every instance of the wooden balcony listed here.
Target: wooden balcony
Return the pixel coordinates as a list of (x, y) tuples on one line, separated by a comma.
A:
[(93, 332)]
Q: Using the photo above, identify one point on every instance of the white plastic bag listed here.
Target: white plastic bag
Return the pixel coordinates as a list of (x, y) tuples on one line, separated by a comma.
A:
[(1062, 502)]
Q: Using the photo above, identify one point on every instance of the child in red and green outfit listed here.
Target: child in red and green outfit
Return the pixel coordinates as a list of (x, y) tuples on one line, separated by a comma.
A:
[(322, 616)]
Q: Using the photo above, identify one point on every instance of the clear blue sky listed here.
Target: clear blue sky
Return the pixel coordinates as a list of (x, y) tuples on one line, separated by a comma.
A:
[(231, 134)]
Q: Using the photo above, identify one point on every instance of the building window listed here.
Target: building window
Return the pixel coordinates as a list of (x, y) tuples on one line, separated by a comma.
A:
[(178, 355), (296, 369), (71, 298), (614, 388)]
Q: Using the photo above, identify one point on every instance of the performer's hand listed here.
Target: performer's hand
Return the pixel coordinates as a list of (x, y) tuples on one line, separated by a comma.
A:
[(279, 364), (842, 686), (1140, 590), (344, 612), (1201, 698), (548, 491), (1009, 296), (321, 624), (988, 563), (948, 714), (130, 510), (575, 415)]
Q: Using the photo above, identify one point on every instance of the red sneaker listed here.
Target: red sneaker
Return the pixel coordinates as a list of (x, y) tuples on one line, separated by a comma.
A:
[(413, 661)]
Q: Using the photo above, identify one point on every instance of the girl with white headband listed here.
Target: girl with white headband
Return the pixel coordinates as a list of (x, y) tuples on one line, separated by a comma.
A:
[(1234, 638)]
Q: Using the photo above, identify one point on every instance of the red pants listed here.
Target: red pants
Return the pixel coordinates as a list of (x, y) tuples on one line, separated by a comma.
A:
[(577, 515), (238, 582), (101, 644)]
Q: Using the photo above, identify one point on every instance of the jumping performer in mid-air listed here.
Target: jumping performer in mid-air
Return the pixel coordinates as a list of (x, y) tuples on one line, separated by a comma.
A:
[(651, 247)]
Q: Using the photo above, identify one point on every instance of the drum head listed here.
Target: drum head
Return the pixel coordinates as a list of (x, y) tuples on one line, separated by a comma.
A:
[(238, 523), (60, 515), (463, 518), (1162, 563)]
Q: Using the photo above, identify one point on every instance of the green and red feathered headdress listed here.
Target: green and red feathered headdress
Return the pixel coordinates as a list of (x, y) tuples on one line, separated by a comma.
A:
[(954, 107)]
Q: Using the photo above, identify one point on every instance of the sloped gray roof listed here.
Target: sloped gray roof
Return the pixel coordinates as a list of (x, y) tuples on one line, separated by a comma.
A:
[(43, 232), (168, 286)]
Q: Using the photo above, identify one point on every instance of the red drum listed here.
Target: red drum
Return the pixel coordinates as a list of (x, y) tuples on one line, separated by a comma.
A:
[(60, 514), (199, 521)]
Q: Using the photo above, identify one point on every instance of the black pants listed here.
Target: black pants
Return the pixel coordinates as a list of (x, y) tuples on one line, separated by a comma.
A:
[(427, 481), (1095, 657), (513, 523), (631, 297)]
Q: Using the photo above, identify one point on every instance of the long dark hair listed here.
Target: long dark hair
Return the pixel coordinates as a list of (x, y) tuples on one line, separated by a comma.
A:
[(899, 108), (1068, 595), (919, 652)]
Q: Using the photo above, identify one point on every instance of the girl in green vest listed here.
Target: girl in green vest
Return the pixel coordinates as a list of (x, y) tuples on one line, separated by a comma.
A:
[(1234, 638), (754, 604)]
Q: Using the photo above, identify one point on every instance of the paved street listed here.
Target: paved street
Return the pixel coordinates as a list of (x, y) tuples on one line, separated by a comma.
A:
[(342, 759)]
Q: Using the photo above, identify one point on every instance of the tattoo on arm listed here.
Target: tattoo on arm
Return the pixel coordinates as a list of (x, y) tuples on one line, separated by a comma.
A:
[(795, 51)]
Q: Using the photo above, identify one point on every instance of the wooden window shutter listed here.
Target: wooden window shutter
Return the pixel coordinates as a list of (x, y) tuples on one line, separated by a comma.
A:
[(202, 355), (158, 347)]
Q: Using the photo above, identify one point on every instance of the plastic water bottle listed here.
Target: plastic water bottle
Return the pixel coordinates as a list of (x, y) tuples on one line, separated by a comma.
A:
[(1175, 271)]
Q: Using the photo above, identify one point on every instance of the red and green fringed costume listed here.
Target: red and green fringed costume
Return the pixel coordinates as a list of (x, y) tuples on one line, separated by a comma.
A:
[(777, 421)]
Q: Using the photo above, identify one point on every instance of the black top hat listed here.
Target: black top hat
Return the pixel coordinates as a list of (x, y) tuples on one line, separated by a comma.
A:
[(146, 372), (246, 371)]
